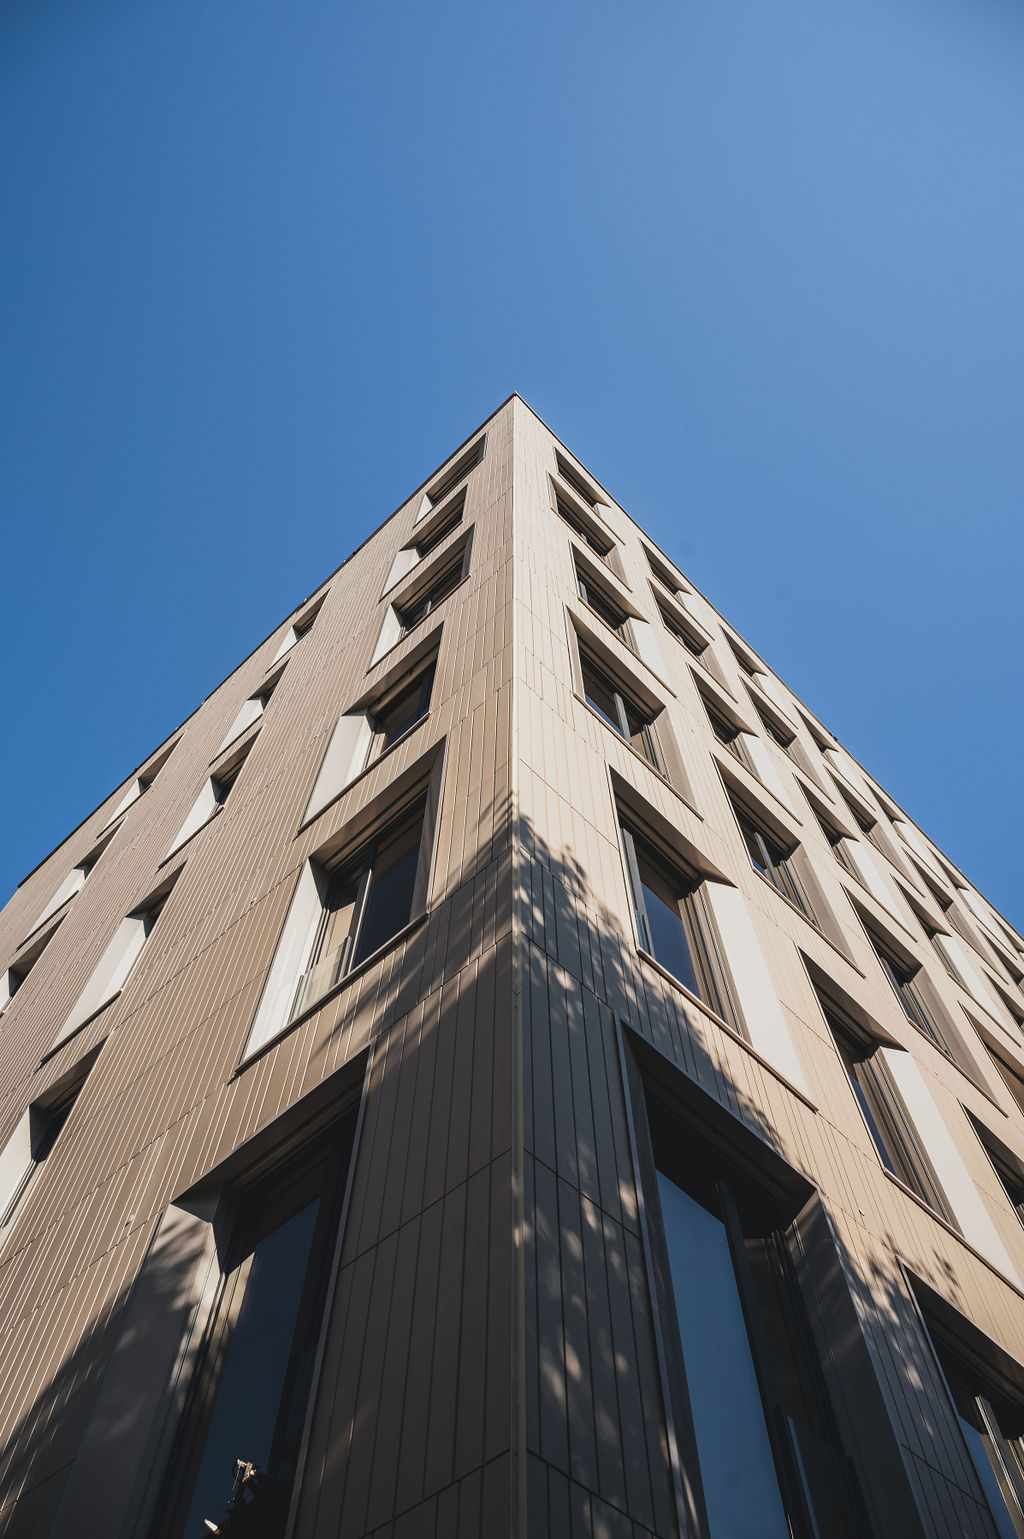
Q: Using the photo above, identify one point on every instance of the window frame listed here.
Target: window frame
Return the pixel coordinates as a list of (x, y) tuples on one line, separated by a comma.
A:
[(623, 703), (889, 1125), (714, 990), (775, 863)]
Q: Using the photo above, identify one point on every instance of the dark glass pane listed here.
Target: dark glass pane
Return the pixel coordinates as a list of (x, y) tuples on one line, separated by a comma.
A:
[(252, 1381), (388, 905), (599, 694), (667, 932), (405, 710), (737, 1470), (981, 1452)]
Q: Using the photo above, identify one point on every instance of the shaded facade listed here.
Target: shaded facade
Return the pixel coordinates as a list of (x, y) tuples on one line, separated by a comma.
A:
[(502, 1067)]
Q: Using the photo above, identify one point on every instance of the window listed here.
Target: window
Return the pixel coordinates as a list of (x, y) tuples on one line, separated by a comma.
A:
[(903, 978), (772, 861), (459, 471), (584, 528), (437, 532), (441, 584), (837, 842), (210, 799), (250, 711), (299, 628), (867, 825), (71, 885), (573, 478), (748, 663), (116, 964), (744, 1370), (1010, 1073), (774, 730), (630, 720), (888, 1122), (674, 925), (397, 712), (687, 635), (605, 607), (1006, 1165), (989, 1407), (236, 1454), (662, 572), (15, 975), (32, 1141), (366, 902), (140, 785), (728, 733)]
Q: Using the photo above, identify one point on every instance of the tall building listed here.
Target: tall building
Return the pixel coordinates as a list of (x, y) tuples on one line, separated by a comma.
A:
[(502, 1068)]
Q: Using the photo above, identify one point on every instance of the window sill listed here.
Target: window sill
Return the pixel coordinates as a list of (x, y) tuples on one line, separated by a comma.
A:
[(362, 774), (352, 976), (723, 1025), (51, 920), (639, 757)]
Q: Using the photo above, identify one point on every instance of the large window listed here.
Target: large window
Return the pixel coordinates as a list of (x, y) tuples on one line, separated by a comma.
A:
[(989, 1406), (367, 901), (235, 1459), (773, 862), (888, 1122), (31, 1143), (673, 923), (622, 713), (746, 1378)]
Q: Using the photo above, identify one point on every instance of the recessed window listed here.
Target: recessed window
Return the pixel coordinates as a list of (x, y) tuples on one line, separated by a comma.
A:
[(623, 714), (662, 572), (687, 635), (211, 798), (905, 985), (674, 925), (744, 1372), (867, 825), (400, 709), (71, 885), (772, 861), (748, 663), (466, 462), (438, 530), (441, 585), (837, 841), (299, 628), (605, 606), (12, 979), (32, 1141), (236, 1454), (117, 963), (141, 784), (774, 729), (728, 733), (366, 900), (250, 711), (579, 484), (1006, 1165), (1011, 1074), (584, 527), (888, 1122), (989, 1410)]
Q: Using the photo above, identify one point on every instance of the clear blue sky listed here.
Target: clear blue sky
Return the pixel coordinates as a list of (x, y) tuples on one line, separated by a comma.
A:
[(760, 265)]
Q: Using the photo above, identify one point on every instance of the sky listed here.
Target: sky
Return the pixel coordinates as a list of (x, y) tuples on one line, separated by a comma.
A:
[(263, 266)]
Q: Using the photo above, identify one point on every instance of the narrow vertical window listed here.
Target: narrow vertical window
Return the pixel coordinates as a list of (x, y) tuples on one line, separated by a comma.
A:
[(235, 1460), (673, 924)]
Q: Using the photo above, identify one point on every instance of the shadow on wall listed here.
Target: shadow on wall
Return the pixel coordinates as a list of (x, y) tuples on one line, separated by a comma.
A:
[(591, 1414)]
